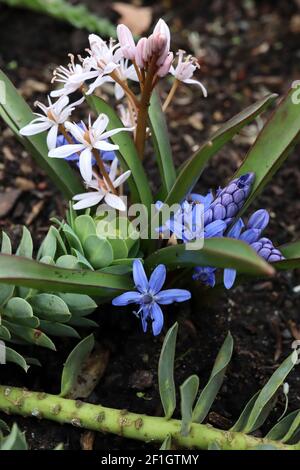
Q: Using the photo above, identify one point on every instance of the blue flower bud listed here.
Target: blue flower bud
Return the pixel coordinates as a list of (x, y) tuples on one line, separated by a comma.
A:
[(259, 219)]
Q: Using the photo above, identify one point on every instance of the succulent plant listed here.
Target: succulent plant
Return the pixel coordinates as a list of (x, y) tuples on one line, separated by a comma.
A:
[(28, 316)]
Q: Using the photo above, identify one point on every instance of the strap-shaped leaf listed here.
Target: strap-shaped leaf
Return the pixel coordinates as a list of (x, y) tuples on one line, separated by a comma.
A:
[(58, 329), (14, 441), (167, 444), (166, 372), (193, 168), (218, 252), (16, 113), (267, 393), (129, 160), (286, 428), (50, 307), (30, 335), (210, 391), (272, 146), (25, 272), (160, 138), (244, 416), (25, 247), (188, 393), (49, 245), (74, 363), (291, 252)]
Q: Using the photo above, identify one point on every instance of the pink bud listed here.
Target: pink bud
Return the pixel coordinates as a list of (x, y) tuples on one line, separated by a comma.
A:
[(162, 28), (140, 53), (159, 43), (165, 67), (126, 41)]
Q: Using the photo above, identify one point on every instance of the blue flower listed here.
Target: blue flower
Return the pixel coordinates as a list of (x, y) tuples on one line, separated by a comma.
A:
[(149, 295), (206, 275)]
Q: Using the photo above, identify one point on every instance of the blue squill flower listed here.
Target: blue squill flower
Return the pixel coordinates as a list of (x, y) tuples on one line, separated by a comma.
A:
[(149, 296), (206, 275)]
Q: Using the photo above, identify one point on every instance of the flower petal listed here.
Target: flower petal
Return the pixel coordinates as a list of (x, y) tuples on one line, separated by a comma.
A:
[(52, 137), (168, 296), (139, 276), (105, 146), (32, 129), (157, 319), (115, 201), (191, 81), (85, 165), (89, 200), (122, 178), (66, 150), (119, 92), (157, 278), (131, 297), (229, 277)]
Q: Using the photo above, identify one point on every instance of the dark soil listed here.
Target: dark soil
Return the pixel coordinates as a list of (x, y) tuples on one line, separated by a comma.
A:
[(246, 49)]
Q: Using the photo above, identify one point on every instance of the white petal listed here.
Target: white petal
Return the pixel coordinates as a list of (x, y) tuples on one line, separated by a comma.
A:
[(93, 86), (190, 81), (61, 103), (122, 178), (106, 146), (60, 92), (65, 150), (101, 123), (107, 134), (85, 165), (76, 131), (32, 129), (131, 74), (119, 92), (113, 169), (52, 137), (115, 201), (90, 200)]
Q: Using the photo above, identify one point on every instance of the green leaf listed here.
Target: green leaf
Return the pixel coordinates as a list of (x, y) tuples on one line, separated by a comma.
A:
[(166, 372), (82, 322), (285, 428), (68, 262), (119, 247), (5, 293), (129, 159), (160, 138), (244, 416), (79, 304), (167, 444), (81, 260), (19, 311), (6, 244), (30, 335), (25, 247), (210, 391), (84, 226), (193, 168), (4, 333), (16, 358), (218, 252), (49, 245), (268, 392), (188, 393), (29, 273), (14, 441), (58, 329), (272, 146), (50, 307), (291, 251), (16, 113), (4, 426), (72, 238), (98, 251), (74, 363)]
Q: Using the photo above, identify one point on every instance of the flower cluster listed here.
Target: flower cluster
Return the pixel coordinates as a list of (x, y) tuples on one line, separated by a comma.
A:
[(118, 63)]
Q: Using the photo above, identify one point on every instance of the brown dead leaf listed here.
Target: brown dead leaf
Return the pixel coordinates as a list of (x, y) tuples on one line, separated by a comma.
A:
[(137, 19), (294, 329), (87, 440), (91, 373), (30, 86), (8, 201)]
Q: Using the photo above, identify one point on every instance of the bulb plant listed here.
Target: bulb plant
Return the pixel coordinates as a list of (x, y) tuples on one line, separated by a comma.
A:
[(101, 251)]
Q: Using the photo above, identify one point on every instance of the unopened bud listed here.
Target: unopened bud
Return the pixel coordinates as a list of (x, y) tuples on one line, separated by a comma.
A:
[(165, 67), (126, 41)]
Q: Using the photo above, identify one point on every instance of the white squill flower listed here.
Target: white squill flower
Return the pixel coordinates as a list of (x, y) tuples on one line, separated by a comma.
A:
[(185, 69), (54, 115), (102, 191), (88, 139), (72, 77), (104, 58)]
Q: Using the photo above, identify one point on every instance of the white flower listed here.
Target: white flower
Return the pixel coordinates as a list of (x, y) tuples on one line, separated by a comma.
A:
[(89, 139), (73, 76), (125, 116), (104, 58), (54, 115), (124, 73), (161, 28), (102, 191), (185, 69)]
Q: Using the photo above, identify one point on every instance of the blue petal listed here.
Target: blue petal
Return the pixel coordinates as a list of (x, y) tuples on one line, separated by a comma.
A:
[(144, 318), (205, 200), (229, 277), (157, 279), (131, 297), (259, 219), (139, 276), (214, 229), (157, 319), (235, 231), (168, 296), (251, 235)]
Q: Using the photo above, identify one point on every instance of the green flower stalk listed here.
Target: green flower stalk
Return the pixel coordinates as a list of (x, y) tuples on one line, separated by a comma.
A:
[(123, 423)]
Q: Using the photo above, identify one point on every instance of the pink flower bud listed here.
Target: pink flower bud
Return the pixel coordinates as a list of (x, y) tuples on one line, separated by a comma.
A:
[(165, 67), (140, 53), (126, 41)]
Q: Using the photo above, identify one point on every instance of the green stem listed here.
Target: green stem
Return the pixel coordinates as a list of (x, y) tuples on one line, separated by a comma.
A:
[(123, 423)]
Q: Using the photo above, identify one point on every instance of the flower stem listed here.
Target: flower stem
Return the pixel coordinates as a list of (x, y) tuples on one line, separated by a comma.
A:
[(171, 94), (143, 108), (123, 423)]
